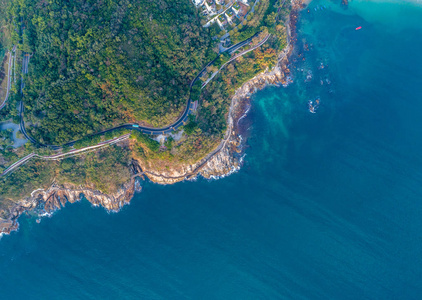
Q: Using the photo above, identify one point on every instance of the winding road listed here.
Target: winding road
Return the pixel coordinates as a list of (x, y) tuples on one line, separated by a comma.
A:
[(144, 129), (25, 63), (59, 156), (9, 76), (235, 57), (147, 130)]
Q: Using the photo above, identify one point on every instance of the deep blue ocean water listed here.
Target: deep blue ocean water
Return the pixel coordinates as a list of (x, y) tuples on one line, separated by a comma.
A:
[(327, 205)]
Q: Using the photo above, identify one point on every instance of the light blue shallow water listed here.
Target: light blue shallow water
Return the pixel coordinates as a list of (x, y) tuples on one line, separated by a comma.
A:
[(327, 206)]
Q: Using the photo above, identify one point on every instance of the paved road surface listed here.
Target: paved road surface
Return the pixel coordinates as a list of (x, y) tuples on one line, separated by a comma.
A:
[(234, 57), (147, 130), (144, 129), (18, 163), (9, 76), (74, 152)]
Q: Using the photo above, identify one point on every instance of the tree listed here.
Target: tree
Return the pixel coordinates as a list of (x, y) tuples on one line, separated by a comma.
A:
[(189, 129), (169, 143)]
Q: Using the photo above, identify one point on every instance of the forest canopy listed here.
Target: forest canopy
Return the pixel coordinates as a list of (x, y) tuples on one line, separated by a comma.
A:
[(99, 63)]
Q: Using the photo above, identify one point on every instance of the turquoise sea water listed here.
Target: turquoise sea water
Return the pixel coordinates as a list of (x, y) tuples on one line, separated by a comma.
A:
[(327, 205)]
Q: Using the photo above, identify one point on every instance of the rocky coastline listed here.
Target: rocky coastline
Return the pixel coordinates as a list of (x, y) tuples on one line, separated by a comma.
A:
[(224, 160), (44, 202), (227, 157)]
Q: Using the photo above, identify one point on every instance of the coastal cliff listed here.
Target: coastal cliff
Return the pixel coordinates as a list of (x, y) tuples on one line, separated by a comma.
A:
[(54, 198), (225, 159)]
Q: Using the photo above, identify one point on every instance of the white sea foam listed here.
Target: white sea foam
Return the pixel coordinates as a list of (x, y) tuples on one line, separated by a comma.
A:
[(46, 214), (244, 114), (232, 170), (193, 178)]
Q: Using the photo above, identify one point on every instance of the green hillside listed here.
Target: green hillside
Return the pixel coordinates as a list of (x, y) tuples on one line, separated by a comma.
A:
[(100, 63)]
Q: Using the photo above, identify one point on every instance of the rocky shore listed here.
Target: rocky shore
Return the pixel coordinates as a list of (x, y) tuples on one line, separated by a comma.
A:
[(227, 157), (224, 160), (47, 201)]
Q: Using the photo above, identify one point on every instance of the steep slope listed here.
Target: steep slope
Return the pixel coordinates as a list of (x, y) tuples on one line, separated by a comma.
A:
[(99, 63)]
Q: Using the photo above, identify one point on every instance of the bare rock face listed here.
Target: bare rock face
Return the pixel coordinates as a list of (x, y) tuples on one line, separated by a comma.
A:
[(221, 164), (172, 175), (168, 177), (225, 159), (10, 223), (56, 197)]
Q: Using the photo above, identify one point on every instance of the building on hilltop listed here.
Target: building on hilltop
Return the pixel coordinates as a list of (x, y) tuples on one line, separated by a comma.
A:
[(198, 2), (229, 15), (241, 9), (210, 5), (221, 21), (236, 8)]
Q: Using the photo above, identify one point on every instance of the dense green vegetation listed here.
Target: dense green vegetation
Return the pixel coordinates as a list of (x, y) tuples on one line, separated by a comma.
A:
[(145, 140), (5, 28), (190, 127), (105, 170), (19, 184), (100, 63), (91, 140), (262, 19), (216, 97)]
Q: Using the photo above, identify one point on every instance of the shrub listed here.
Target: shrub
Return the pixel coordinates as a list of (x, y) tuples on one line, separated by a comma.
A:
[(144, 139)]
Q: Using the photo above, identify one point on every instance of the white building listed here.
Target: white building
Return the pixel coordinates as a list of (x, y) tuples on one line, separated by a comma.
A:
[(236, 8), (198, 2), (221, 21), (229, 15), (209, 6)]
